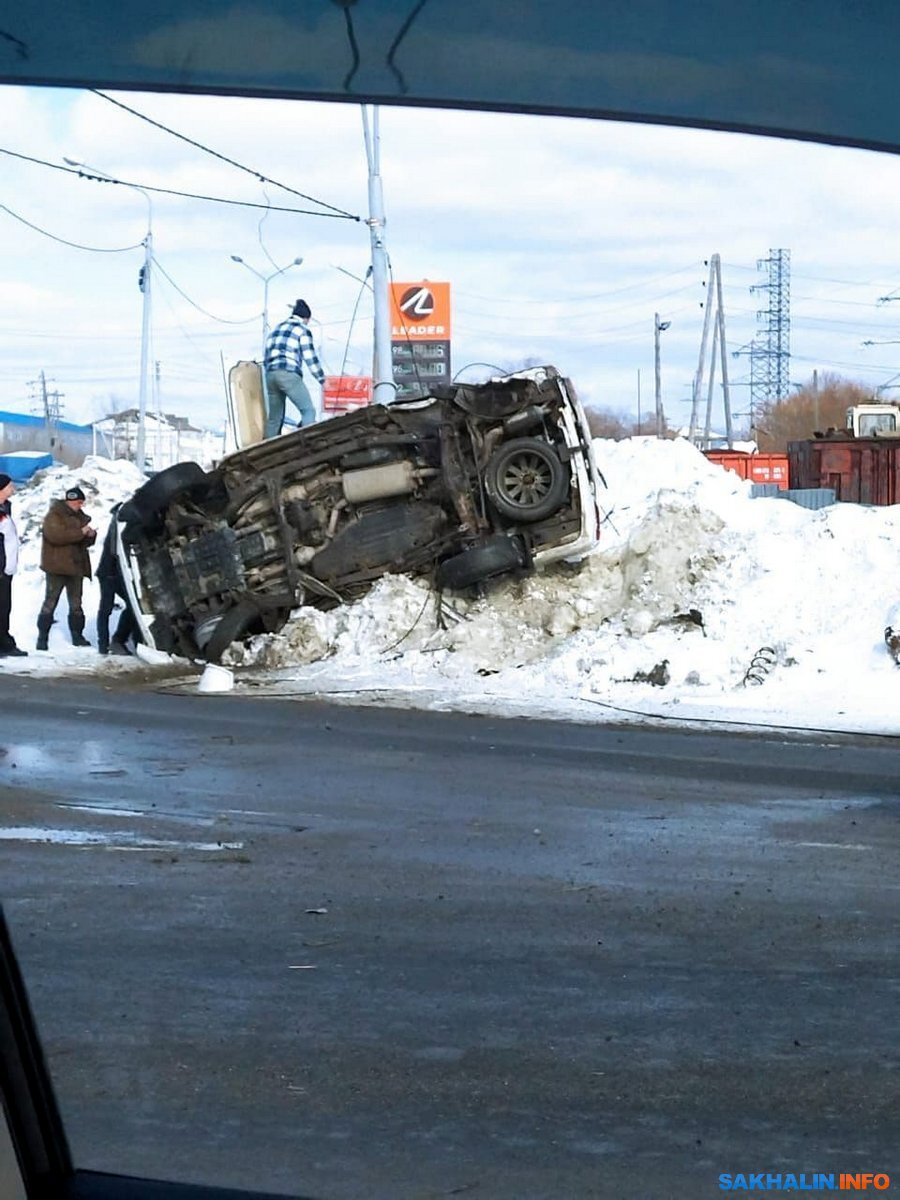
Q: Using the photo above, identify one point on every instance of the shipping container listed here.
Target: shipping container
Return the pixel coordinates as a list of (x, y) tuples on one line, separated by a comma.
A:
[(20, 465), (859, 470), (757, 468)]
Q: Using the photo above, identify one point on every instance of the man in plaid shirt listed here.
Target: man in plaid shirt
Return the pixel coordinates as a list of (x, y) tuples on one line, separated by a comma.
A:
[(288, 347)]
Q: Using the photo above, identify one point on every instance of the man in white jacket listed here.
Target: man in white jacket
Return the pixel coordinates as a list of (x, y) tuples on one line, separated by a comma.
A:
[(9, 557)]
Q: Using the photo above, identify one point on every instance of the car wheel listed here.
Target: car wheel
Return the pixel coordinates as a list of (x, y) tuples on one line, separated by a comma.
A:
[(235, 624), (496, 556), (525, 480), (148, 501), (127, 513)]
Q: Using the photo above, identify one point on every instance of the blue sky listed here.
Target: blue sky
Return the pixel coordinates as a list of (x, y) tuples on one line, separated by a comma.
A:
[(561, 238)]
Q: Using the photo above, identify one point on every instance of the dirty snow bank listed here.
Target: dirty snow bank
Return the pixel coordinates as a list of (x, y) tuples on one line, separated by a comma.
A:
[(696, 587)]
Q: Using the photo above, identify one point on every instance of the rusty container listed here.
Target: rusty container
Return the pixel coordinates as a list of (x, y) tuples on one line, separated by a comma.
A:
[(859, 470)]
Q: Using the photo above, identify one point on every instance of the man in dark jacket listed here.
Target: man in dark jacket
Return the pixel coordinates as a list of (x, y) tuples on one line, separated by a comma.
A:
[(9, 554), (67, 534), (109, 576)]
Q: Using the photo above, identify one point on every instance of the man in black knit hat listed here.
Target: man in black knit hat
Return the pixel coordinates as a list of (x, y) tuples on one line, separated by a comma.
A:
[(288, 347), (67, 535)]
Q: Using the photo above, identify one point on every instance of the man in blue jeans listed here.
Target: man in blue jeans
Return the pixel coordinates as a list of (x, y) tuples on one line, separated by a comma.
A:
[(288, 347)]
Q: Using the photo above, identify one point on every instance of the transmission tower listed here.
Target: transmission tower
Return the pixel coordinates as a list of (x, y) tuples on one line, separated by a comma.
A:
[(770, 350), (47, 404)]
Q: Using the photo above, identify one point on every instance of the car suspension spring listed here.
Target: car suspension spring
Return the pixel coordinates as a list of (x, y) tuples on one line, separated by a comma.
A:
[(761, 664)]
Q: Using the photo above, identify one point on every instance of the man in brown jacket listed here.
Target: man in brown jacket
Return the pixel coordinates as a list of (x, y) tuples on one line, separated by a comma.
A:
[(67, 534)]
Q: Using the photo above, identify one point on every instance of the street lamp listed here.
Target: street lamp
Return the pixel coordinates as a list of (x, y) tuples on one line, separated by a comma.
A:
[(364, 282), (266, 280), (144, 284), (658, 328)]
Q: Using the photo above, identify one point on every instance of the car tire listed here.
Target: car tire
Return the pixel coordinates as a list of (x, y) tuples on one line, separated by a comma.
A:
[(525, 480), (127, 513), (236, 623), (149, 500), (498, 555)]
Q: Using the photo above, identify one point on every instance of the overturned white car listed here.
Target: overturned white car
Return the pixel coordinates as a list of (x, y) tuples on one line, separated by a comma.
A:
[(464, 485)]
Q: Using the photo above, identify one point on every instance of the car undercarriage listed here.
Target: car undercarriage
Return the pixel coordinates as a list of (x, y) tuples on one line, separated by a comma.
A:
[(469, 483)]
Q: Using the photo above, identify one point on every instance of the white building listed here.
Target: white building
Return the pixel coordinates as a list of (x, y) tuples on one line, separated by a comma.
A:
[(167, 440)]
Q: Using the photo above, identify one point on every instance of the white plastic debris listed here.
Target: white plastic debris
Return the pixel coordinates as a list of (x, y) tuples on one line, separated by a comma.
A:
[(151, 656), (215, 679)]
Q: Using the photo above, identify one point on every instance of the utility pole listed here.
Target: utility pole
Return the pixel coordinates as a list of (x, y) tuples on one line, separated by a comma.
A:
[(815, 392), (698, 378), (45, 405), (54, 410), (712, 305), (639, 401), (48, 404), (382, 366), (144, 284), (658, 328), (707, 428), (723, 357), (157, 453), (88, 172)]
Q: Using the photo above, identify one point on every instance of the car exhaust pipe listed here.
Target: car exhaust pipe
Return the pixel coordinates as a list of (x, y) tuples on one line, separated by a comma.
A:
[(378, 483)]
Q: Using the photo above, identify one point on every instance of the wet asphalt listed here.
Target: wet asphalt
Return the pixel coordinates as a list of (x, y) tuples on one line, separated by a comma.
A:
[(366, 953)]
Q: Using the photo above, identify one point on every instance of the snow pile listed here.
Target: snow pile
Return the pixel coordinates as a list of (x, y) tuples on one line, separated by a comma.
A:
[(105, 482), (701, 603), (699, 595)]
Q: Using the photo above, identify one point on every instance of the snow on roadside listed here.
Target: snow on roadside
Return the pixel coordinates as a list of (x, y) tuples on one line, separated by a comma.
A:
[(104, 482), (692, 580), (684, 540)]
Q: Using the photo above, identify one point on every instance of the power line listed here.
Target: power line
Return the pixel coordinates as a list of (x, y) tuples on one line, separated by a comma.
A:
[(196, 348), (74, 245), (579, 298), (555, 308), (828, 300), (231, 162), (147, 187), (835, 362), (185, 296), (362, 287)]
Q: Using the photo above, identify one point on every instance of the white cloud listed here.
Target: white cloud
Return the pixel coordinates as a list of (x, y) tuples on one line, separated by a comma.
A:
[(561, 238)]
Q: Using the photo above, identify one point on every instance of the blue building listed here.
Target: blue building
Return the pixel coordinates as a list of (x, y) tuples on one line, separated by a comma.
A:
[(66, 442)]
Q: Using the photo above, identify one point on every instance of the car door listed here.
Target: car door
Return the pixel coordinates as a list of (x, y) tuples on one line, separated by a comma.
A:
[(246, 406)]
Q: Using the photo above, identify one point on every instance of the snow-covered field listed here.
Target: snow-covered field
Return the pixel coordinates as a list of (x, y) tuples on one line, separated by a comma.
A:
[(701, 604)]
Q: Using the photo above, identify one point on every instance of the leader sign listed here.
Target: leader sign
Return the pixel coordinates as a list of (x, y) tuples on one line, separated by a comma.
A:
[(420, 311), (420, 336)]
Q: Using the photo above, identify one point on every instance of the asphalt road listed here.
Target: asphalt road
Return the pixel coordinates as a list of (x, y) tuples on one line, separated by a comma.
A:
[(367, 954)]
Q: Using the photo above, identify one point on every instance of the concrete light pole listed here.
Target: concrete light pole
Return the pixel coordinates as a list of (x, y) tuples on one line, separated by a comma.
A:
[(658, 328), (383, 367), (144, 284), (266, 280)]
